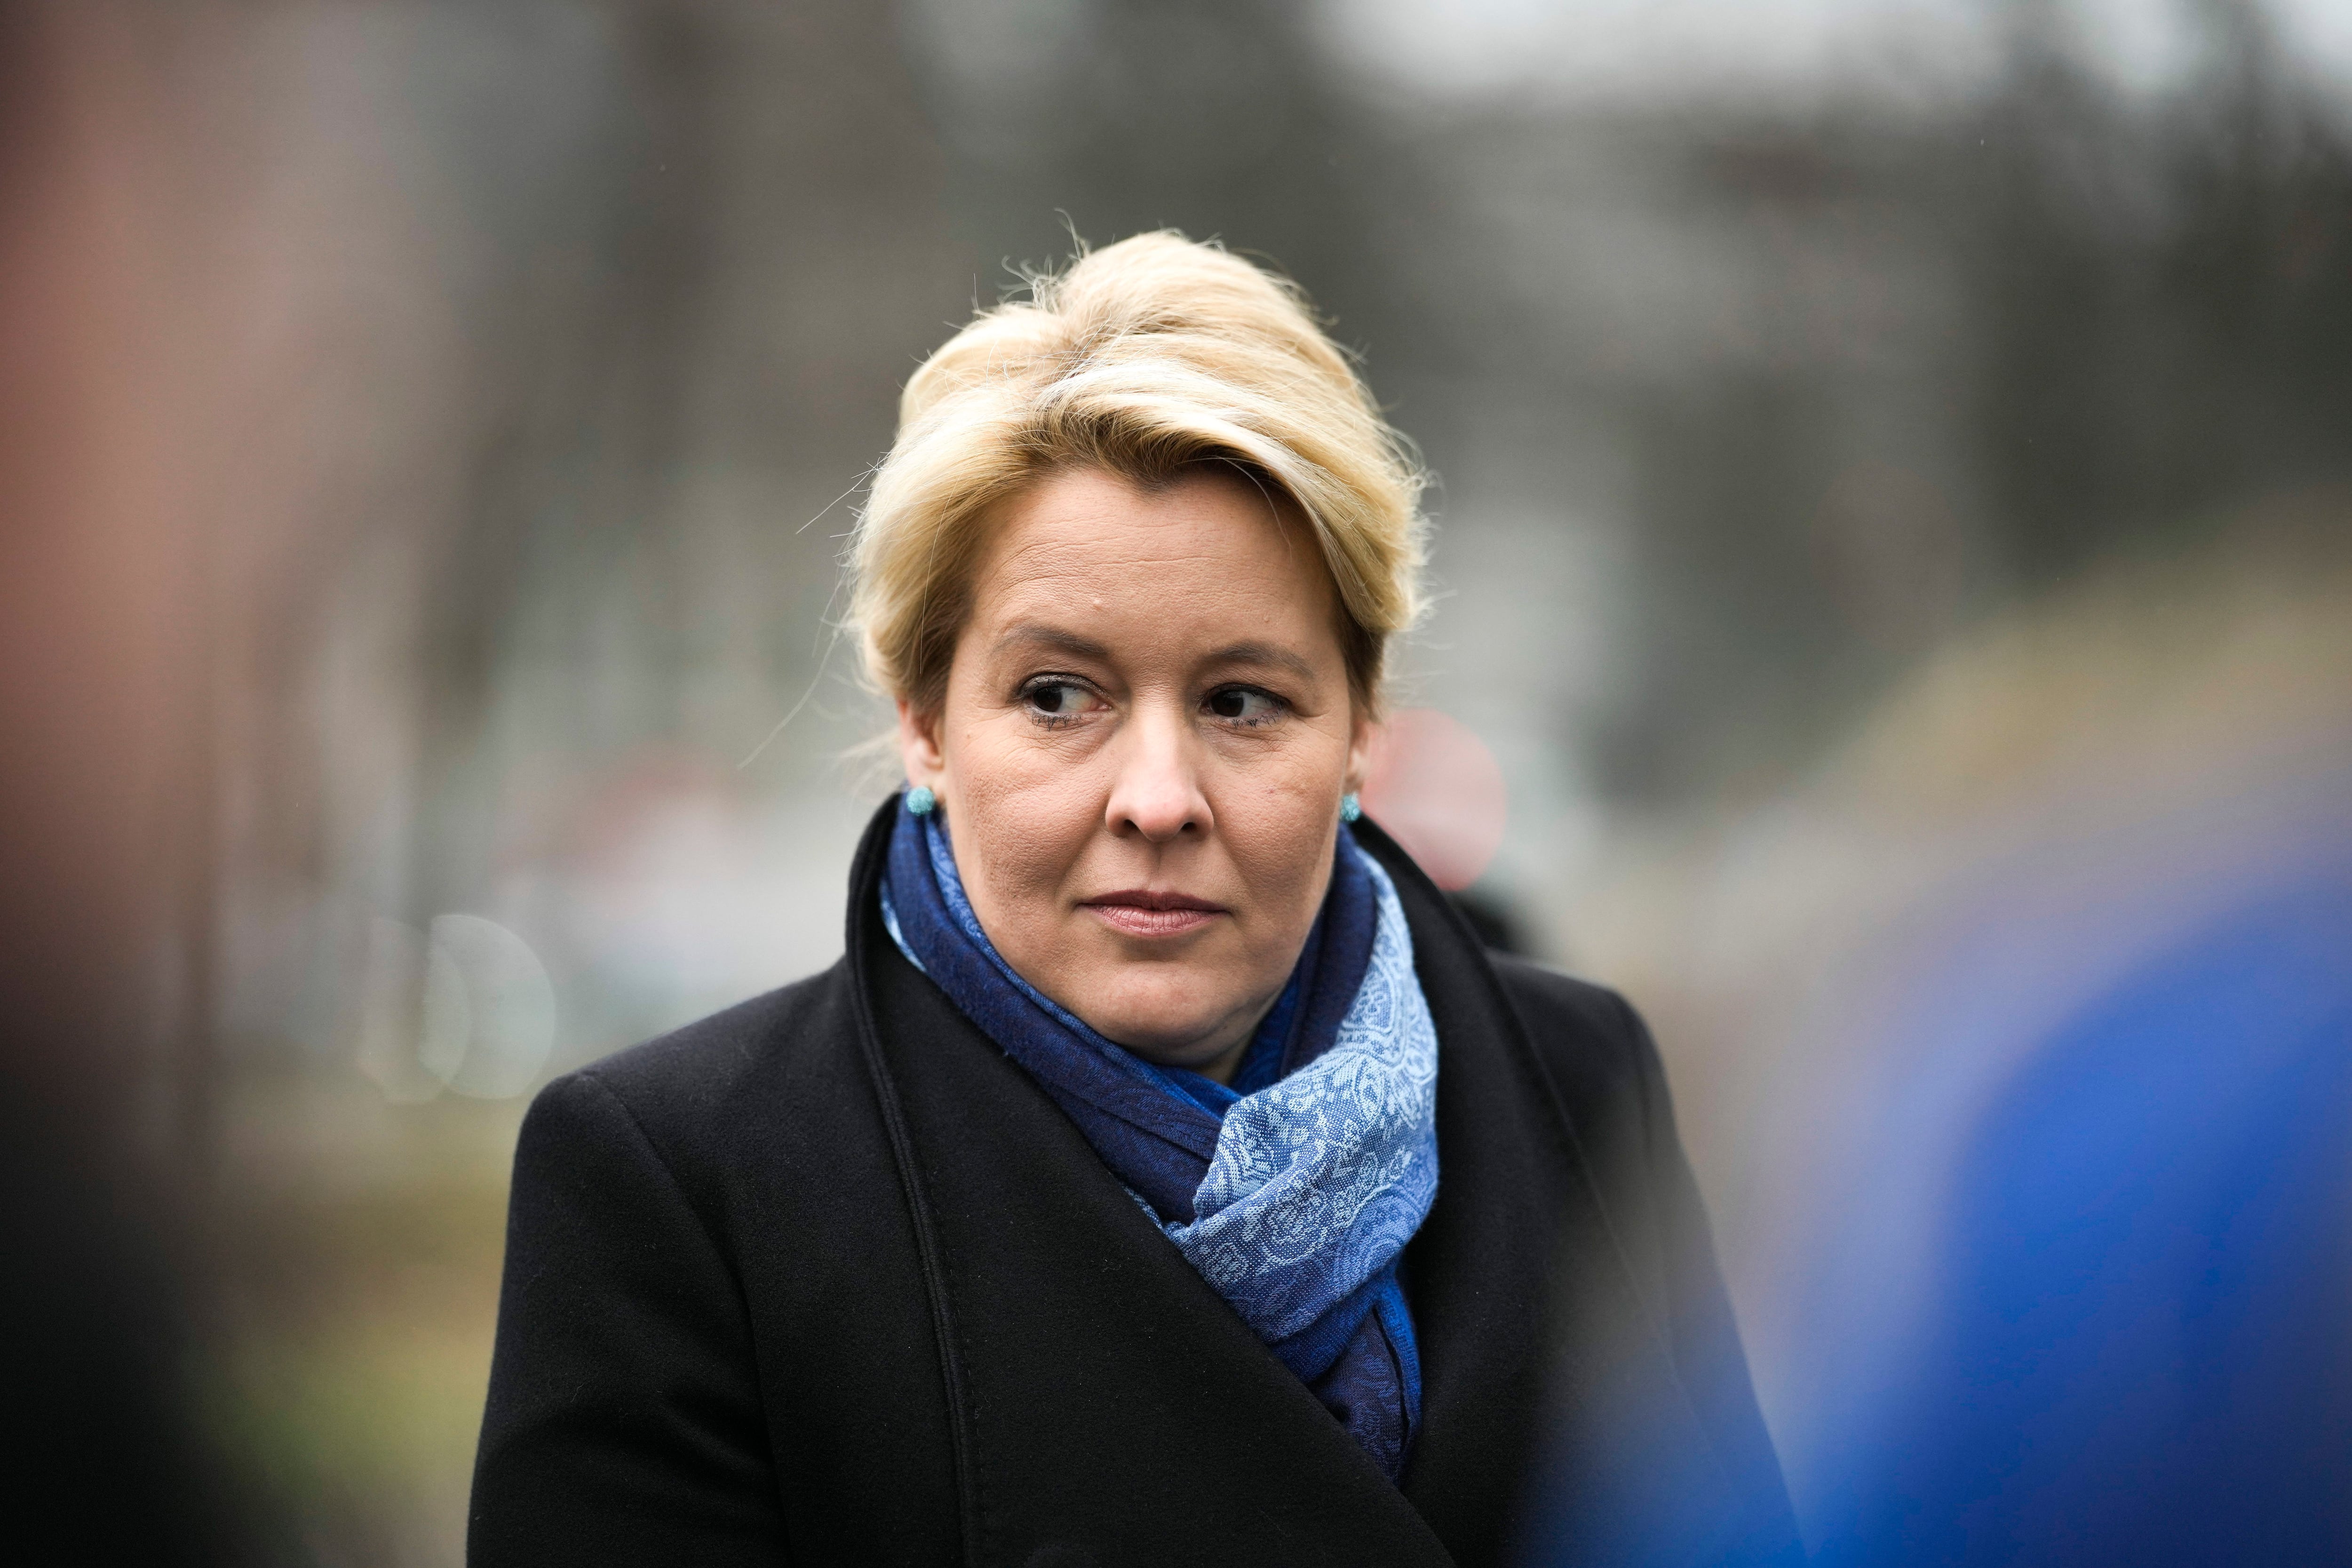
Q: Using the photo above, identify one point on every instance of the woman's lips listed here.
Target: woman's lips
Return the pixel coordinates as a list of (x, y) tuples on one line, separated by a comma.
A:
[(1138, 911)]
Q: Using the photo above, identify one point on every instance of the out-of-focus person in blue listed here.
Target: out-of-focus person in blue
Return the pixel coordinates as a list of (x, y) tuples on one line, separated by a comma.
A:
[(2049, 1197), (2137, 1349)]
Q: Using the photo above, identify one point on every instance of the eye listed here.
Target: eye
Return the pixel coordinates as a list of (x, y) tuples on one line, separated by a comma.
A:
[(1245, 705), (1054, 700)]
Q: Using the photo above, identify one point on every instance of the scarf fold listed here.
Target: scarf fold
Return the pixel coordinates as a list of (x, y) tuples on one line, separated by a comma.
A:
[(1293, 1191)]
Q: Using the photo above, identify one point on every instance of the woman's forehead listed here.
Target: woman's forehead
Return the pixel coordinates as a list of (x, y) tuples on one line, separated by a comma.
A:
[(1090, 557), (1098, 526)]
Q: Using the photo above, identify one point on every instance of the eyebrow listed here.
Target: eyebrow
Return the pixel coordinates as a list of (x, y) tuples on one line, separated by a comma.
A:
[(1052, 637), (1032, 635), (1264, 653)]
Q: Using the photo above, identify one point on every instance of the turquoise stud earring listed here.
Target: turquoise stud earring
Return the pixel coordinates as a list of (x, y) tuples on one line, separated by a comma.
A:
[(922, 801), (1350, 808)]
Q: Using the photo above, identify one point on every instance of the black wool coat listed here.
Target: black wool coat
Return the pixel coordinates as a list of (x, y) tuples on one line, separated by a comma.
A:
[(827, 1279)]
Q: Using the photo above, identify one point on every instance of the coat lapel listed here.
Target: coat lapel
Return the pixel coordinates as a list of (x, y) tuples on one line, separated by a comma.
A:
[(1114, 1407), (1541, 1365)]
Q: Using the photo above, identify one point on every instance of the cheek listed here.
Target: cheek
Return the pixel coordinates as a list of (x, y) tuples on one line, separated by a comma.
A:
[(1027, 816), (1279, 830)]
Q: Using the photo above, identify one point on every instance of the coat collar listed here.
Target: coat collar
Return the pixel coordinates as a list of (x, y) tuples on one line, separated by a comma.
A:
[(1094, 1379)]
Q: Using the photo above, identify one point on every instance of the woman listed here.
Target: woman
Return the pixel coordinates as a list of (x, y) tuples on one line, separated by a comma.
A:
[(1090, 1209)]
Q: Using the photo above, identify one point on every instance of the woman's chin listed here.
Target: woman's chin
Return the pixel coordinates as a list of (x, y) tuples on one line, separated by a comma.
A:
[(1168, 1031)]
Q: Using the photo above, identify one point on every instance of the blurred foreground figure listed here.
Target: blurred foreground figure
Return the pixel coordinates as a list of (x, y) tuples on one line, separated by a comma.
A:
[(100, 1460), (2052, 1180), (2133, 1346)]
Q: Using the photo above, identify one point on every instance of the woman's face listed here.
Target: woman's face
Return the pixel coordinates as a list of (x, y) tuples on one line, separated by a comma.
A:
[(1145, 736)]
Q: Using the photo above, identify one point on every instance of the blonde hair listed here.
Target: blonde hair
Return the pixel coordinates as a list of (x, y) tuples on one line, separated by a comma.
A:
[(1148, 358)]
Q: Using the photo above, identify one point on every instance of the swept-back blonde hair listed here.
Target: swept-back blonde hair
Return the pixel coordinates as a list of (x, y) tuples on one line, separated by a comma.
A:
[(1147, 358)]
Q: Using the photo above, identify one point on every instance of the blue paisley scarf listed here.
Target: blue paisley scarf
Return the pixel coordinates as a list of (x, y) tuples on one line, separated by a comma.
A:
[(1292, 1192)]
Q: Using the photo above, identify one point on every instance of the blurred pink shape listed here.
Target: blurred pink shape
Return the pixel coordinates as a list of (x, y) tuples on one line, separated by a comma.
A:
[(1439, 792)]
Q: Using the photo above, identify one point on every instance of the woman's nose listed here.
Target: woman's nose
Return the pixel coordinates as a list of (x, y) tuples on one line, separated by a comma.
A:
[(1157, 792)]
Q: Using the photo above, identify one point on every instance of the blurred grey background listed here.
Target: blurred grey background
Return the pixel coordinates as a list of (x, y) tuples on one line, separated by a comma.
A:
[(1888, 450)]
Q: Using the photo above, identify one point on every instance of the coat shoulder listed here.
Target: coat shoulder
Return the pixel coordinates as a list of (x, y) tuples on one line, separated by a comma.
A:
[(1601, 1062), (783, 1060), (1589, 1038)]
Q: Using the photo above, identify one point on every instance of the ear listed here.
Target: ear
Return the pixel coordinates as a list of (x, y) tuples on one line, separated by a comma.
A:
[(1363, 739), (919, 745)]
